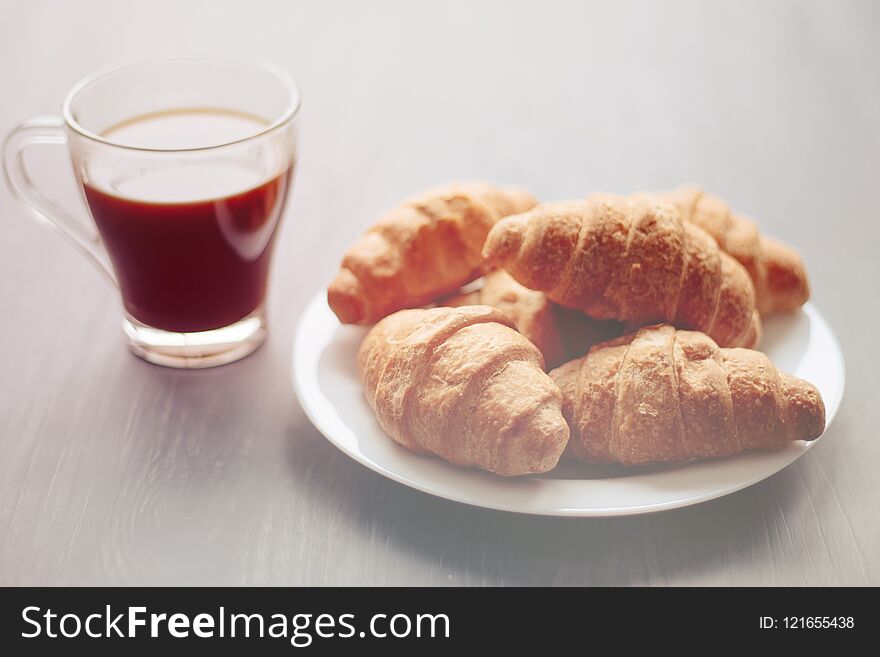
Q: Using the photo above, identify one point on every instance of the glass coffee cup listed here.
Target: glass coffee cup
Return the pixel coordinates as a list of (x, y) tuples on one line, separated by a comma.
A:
[(185, 166)]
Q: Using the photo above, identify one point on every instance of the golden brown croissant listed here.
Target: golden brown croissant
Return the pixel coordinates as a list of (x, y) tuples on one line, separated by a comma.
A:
[(463, 384), (426, 247), (628, 258), (776, 269), (666, 395)]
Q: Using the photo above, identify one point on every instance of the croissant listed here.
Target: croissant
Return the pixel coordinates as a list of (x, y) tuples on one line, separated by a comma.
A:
[(426, 247), (463, 384), (628, 258), (776, 269), (668, 395)]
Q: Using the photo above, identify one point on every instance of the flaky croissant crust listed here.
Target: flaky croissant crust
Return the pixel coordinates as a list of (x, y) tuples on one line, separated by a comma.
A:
[(776, 269), (628, 258), (463, 384), (427, 246), (665, 395)]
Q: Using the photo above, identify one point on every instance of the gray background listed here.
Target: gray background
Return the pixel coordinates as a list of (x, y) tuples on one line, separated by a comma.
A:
[(113, 471)]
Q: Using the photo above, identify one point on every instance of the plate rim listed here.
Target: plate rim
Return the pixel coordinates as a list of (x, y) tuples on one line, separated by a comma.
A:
[(302, 383)]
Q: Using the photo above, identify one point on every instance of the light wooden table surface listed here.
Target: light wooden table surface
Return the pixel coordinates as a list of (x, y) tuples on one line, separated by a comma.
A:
[(113, 471)]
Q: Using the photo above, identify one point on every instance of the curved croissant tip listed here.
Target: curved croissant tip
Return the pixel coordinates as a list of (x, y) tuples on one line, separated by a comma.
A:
[(787, 285), (346, 299), (540, 443), (806, 410), (504, 240)]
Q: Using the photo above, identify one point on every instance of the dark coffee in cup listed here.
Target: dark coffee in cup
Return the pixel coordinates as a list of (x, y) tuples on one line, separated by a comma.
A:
[(190, 244)]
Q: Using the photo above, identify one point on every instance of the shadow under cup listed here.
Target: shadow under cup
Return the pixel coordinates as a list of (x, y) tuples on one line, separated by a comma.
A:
[(185, 165)]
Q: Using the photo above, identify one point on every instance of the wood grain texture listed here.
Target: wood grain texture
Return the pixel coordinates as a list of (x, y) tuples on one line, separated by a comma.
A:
[(117, 472)]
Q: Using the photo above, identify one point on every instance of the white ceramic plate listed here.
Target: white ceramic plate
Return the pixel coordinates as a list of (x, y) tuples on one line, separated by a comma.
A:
[(325, 379)]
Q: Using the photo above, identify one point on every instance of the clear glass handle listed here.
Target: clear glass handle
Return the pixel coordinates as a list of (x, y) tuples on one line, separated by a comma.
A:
[(49, 130)]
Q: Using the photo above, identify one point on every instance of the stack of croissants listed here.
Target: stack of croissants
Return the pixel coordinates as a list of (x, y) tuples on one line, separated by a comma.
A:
[(613, 329)]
